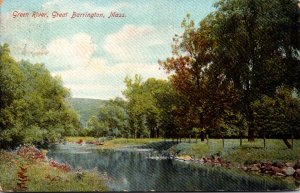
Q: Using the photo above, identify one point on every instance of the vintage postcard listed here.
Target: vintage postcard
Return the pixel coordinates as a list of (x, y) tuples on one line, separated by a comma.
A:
[(149, 95)]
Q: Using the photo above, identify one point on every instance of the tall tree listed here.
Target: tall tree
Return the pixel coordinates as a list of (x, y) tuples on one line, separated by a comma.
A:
[(151, 107), (208, 93), (136, 106), (97, 128), (258, 47), (33, 106), (114, 115)]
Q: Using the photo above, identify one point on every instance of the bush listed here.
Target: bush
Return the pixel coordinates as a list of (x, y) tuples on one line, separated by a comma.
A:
[(27, 169)]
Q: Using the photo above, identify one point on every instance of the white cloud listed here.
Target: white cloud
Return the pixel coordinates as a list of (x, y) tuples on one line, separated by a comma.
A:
[(109, 75), (133, 43), (70, 53), (130, 33), (99, 80), (125, 69), (90, 90), (89, 76), (74, 57)]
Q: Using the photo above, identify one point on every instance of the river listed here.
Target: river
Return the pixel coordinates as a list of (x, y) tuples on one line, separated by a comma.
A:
[(137, 169)]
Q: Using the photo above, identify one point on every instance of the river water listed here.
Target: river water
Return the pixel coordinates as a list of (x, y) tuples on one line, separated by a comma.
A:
[(139, 170)]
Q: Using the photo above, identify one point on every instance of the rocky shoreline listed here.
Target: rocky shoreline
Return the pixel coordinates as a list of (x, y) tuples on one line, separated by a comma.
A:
[(275, 168)]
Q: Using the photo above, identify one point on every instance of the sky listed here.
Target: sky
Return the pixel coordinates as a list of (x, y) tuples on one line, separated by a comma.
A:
[(94, 55)]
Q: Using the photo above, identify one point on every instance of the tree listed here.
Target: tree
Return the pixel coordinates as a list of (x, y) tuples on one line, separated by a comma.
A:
[(136, 106), (97, 128), (208, 94), (33, 107), (278, 116), (114, 115), (258, 48), (154, 113), (10, 80), (245, 49), (151, 107), (169, 102), (47, 106)]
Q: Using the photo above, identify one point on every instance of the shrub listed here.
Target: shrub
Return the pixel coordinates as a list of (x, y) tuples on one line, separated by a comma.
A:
[(30, 153)]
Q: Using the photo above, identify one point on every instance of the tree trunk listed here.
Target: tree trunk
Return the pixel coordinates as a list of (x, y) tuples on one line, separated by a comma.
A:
[(250, 27), (202, 135), (287, 143)]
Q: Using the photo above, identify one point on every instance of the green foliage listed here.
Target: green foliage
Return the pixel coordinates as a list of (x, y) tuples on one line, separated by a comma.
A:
[(86, 108), (43, 176), (33, 106), (97, 128), (240, 52), (279, 115), (136, 105), (149, 106), (206, 93), (114, 115), (231, 124), (256, 49), (111, 120)]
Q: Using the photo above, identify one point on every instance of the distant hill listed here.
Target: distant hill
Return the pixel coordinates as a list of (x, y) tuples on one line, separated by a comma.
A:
[(86, 107)]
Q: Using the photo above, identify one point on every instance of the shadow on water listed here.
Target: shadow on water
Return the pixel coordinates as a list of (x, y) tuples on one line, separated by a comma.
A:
[(159, 146), (133, 170)]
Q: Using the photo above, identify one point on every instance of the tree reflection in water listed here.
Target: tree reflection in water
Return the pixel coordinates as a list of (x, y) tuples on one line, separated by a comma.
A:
[(134, 171)]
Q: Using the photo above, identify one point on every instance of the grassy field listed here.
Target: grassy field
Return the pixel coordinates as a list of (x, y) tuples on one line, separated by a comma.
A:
[(22, 173), (249, 152), (122, 142), (115, 143), (76, 139)]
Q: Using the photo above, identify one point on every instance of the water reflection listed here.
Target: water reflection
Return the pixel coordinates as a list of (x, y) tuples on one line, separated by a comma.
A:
[(133, 170)]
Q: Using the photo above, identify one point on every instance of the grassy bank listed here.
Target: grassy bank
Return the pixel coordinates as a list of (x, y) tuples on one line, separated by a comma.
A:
[(122, 142), (76, 139), (249, 152), (114, 143), (30, 171)]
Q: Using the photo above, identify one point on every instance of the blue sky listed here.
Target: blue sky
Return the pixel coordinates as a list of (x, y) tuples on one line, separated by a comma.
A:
[(93, 56)]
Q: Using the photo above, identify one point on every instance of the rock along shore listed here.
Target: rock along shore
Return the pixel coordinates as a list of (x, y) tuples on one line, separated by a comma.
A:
[(275, 168)]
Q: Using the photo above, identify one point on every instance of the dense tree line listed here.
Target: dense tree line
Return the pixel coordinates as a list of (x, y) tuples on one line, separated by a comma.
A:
[(236, 74), (33, 108), (111, 120), (243, 51), (145, 112)]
